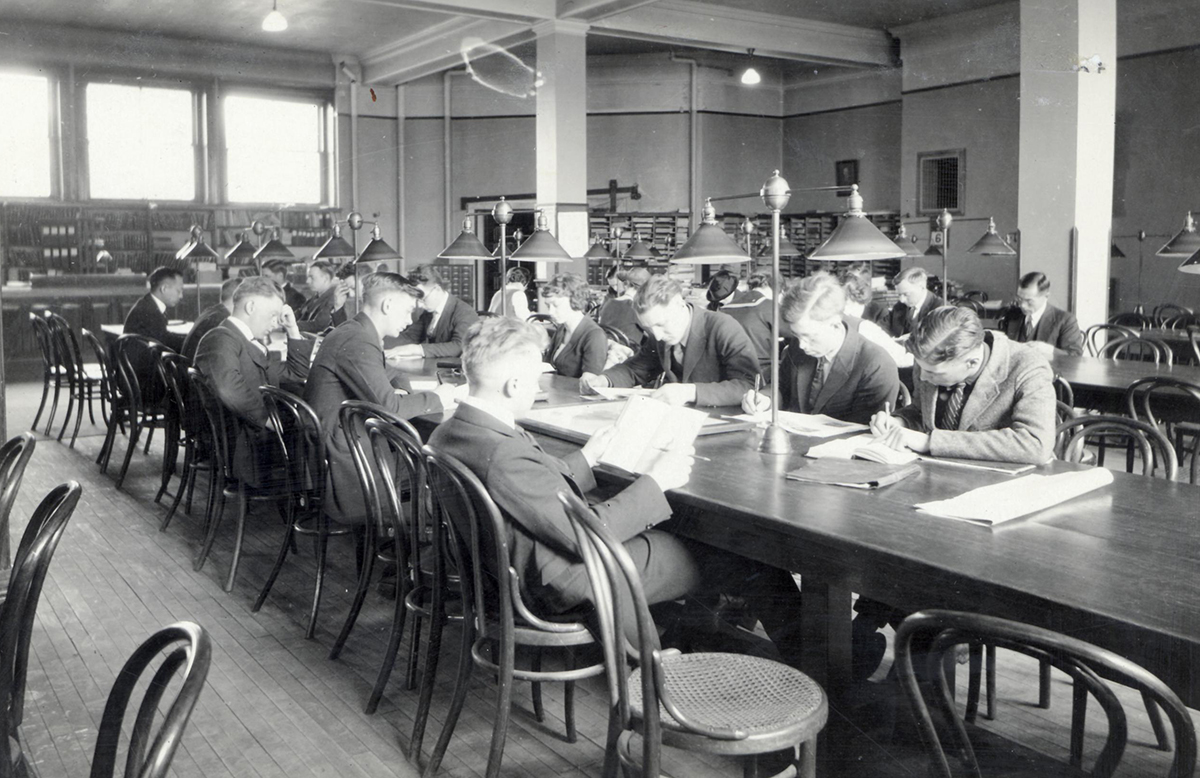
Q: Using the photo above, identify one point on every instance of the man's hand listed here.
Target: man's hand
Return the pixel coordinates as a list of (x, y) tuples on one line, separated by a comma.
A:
[(616, 354), (672, 469), (598, 443), (676, 394), (287, 320), (341, 293), (883, 423), (588, 382), (755, 402), (407, 351), (448, 394), (900, 439)]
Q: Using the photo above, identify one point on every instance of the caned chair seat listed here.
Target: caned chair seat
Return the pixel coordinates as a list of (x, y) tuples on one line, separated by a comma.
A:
[(775, 706)]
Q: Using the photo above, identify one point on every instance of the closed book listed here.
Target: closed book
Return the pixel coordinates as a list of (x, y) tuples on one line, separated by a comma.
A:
[(856, 473)]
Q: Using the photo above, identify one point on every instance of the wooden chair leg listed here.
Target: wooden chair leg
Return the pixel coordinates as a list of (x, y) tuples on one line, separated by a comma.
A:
[(238, 537), (410, 672), (211, 535), (150, 427), (279, 559), (319, 583), (430, 652), (399, 615), (1043, 684), (503, 709), (42, 405), (367, 566), (90, 398), (187, 476), (79, 416), (808, 759), (134, 430), (106, 447), (462, 678), (990, 682), (170, 458), (1078, 721), (539, 710), (1162, 739), (71, 392), (53, 403), (569, 700), (974, 677)]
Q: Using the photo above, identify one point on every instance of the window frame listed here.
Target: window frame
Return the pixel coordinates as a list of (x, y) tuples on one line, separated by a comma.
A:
[(327, 139), (922, 157), (54, 83)]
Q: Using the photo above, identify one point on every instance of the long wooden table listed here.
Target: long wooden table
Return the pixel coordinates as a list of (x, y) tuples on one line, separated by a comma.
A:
[(1119, 567), (1112, 376)]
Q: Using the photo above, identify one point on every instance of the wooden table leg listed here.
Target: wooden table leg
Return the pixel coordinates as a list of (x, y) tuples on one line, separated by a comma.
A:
[(825, 617)]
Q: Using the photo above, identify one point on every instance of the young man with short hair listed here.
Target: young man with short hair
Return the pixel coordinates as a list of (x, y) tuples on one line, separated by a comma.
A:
[(210, 318), (439, 326), (1033, 320), (148, 317), (690, 355), (277, 270), (916, 301), (324, 308)]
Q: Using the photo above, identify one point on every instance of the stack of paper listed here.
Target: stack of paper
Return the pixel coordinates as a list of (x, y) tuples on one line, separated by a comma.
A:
[(816, 425), (1008, 500)]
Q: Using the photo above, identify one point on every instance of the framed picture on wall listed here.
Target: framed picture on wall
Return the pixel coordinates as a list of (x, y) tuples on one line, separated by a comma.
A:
[(845, 174)]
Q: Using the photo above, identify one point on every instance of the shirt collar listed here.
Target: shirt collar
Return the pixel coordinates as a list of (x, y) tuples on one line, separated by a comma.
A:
[(441, 306), (987, 355), (245, 330), (496, 411), (1034, 318), (841, 342), (688, 329), (162, 307)]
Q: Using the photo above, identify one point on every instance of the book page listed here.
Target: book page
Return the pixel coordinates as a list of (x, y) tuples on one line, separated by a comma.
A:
[(813, 425), (646, 427), (1008, 500)]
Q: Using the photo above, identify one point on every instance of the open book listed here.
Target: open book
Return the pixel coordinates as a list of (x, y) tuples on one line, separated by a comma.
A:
[(814, 425), (648, 427), (870, 448), (854, 473), (1012, 499)]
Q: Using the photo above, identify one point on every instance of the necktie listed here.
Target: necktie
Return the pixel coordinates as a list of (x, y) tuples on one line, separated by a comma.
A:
[(818, 381), (433, 320), (1026, 330), (677, 362), (952, 409)]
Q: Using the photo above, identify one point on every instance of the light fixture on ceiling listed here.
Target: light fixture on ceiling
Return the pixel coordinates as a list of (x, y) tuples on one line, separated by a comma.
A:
[(750, 76), (274, 21)]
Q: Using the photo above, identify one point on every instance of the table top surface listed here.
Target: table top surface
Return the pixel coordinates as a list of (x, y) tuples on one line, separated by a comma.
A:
[(1114, 375), (1160, 333), (177, 327)]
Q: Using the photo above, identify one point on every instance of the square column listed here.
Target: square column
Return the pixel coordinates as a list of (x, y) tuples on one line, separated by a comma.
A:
[(1068, 113), (562, 136)]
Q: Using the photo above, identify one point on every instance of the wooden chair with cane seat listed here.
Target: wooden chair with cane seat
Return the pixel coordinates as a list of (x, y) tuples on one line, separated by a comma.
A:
[(104, 364), (495, 612), (1173, 406), (716, 703), (130, 406), (1098, 335), (939, 632), (84, 380)]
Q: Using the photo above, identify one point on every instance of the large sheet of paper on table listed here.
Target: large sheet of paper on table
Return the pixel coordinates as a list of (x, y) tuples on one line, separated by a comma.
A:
[(814, 425), (1012, 499)]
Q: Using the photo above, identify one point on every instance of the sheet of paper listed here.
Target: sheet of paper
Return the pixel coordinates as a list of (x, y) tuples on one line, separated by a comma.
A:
[(647, 427), (842, 448), (1008, 500), (610, 393), (813, 425), (423, 384)]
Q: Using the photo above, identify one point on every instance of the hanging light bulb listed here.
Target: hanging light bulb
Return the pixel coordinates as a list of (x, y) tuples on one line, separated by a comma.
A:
[(274, 21), (751, 77)]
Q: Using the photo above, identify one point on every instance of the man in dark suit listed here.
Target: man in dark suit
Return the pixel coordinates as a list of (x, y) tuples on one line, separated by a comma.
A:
[(324, 309), (277, 271), (1035, 321), (350, 366), (503, 359), (829, 368), (148, 317), (692, 355), (235, 360), (753, 309), (916, 301), (439, 327), (210, 318)]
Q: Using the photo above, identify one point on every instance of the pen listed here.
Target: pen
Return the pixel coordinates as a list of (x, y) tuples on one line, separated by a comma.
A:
[(757, 382), (887, 408)]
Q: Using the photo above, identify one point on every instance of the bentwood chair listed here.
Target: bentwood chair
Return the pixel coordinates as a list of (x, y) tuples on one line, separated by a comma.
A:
[(188, 425), (190, 656), (1138, 321), (1138, 349), (297, 441), (618, 337), (1167, 311), (85, 382), (939, 632), (716, 703), (51, 370), (17, 613), (129, 406), (497, 619), (1171, 405), (1098, 335), (14, 456), (104, 366)]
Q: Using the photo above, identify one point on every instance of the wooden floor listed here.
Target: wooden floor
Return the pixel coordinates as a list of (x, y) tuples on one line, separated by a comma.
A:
[(275, 706)]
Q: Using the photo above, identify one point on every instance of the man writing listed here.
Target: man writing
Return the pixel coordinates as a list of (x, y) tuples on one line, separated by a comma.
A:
[(439, 327), (916, 301)]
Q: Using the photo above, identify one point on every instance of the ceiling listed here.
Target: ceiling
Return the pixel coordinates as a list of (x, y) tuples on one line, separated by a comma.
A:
[(877, 14)]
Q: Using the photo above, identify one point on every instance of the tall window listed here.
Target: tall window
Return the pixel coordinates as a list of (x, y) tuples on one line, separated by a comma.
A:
[(140, 143), (25, 136), (273, 150)]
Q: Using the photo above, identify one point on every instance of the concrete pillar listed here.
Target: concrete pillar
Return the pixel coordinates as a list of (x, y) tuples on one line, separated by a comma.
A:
[(562, 136), (1068, 107)]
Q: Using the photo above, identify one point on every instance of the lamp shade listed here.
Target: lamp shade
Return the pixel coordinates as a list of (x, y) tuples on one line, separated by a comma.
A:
[(856, 239), (466, 246), (639, 250), (991, 244), (242, 252), (196, 249), (273, 249), (709, 245), (906, 242), (1191, 264), (336, 247), (934, 250), (541, 245), (597, 251), (1115, 252), (786, 249), (1185, 243), (377, 250)]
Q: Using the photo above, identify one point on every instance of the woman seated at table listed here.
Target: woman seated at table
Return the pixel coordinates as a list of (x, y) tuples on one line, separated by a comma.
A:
[(978, 394), (617, 312), (828, 368), (579, 345), (856, 280), (516, 281)]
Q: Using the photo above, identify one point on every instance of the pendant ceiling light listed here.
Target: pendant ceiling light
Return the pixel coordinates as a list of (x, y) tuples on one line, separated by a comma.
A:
[(274, 21), (991, 244)]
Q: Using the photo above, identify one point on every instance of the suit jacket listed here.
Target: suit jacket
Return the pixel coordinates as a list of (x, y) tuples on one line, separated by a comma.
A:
[(754, 311), (350, 366), (145, 319), (524, 480), (209, 319), (1009, 415), (293, 297), (316, 314), (719, 359), (862, 377), (236, 367), (1056, 327), (446, 339), (898, 323), (584, 352), (618, 313)]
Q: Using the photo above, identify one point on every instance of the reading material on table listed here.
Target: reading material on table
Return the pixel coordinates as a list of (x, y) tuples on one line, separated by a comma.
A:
[(646, 428), (814, 425), (1008, 500), (577, 423), (855, 473), (872, 449), (611, 393)]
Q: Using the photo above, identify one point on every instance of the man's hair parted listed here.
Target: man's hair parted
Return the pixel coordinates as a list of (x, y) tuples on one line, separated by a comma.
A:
[(493, 338), (658, 290), (945, 333), (381, 283)]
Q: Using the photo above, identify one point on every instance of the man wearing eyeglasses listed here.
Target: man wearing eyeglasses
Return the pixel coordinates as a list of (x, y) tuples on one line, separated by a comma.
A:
[(1033, 320)]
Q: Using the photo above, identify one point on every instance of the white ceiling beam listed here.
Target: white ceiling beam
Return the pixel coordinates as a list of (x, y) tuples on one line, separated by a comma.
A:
[(527, 11), (711, 26), (590, 10), (437, 48)]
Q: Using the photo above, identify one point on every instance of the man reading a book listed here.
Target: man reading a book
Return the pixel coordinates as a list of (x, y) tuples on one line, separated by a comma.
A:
[(502, 360), (829, 368), (690, 355)]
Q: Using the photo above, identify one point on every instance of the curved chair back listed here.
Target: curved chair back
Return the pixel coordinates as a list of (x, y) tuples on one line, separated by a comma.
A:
[(540, 318), (977, 295), (299, 444), (1168, 403), (1194, 339), (1137, 349), (974, 305), (1085, 663), (38, 543), (353, 416), (104, 360), (14, 456), (1063, 392), (1138, 321), (397, 457), (1166, 311), (1098, 334), (1156, 450), (617, 336), (904, 398), (146, 758), (221, 427), (132, 352), (1181, 322), (172, 372), (44, 338), (66, 345)]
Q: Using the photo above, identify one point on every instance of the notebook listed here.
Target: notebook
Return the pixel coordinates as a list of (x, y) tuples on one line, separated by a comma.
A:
[(871, 449), (989, 506), (855, 473)]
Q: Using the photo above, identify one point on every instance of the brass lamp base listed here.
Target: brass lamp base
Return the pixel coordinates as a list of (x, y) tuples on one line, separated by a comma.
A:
[(775, 440)]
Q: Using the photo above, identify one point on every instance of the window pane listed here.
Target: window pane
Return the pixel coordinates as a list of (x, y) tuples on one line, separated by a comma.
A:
[(140, 143), (25, 136), (273, 150)]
